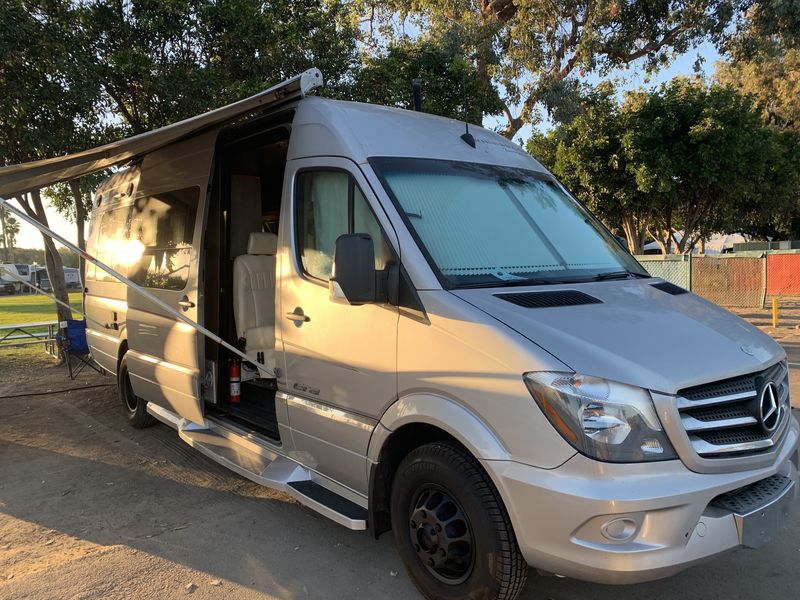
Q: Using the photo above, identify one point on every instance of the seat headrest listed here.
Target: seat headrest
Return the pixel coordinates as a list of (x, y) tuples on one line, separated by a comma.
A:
[(261, 242)]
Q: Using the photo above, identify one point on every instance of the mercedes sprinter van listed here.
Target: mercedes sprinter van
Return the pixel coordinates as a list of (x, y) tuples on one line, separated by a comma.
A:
[(442, 343)]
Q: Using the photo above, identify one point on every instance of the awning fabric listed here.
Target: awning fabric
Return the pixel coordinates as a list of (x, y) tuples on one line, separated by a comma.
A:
[(17, 179)]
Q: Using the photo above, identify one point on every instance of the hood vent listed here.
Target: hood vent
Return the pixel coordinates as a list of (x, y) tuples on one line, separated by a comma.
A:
[(670, 288), (549, 299)]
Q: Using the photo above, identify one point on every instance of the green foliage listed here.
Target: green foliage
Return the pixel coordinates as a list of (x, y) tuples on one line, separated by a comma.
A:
[(160, 61), (764, 60), (446, 79), (28, 256), (46, 93), (535, 49), (686, 158)]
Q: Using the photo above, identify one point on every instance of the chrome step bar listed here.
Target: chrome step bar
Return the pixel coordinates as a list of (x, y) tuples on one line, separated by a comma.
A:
[(255, 460)]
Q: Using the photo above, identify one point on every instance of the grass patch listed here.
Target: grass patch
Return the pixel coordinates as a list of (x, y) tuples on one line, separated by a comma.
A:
[(32, 308), (29, 308)]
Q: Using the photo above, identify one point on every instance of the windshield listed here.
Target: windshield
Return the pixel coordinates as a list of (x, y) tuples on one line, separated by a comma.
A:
[(483, 225)]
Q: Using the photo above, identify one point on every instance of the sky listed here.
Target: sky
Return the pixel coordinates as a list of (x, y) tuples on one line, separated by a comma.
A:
[(632, 78)]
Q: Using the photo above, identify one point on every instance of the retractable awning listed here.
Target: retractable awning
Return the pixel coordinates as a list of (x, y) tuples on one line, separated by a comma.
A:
[(17, 179)]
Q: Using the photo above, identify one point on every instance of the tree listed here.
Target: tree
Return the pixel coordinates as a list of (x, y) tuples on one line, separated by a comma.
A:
[(764, 60), (535, 49), (588, 156), (160, 62), (773, 78), (448, 81), (10, 231), (46, 101), (677, 164)]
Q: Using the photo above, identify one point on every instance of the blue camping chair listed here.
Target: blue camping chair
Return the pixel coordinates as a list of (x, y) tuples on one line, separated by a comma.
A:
[(72, 340)]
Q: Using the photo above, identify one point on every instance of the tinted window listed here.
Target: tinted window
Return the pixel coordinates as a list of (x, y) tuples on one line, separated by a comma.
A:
[(162, 227), (23, 270), (329, 204)]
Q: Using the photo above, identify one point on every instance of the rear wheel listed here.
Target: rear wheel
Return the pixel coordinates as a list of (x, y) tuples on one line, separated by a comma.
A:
[(134, 406), (451, 528)]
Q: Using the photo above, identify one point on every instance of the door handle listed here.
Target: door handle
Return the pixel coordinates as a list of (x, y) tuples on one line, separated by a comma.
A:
[(298, 317), (185, 303)]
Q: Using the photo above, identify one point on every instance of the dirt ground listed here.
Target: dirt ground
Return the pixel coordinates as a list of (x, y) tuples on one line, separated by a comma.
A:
[(90, 508)]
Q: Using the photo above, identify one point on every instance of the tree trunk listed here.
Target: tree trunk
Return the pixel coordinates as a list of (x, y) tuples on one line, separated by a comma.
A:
[(6, 256), (702, 245), (80, 219), (53, 262), (631, 235)]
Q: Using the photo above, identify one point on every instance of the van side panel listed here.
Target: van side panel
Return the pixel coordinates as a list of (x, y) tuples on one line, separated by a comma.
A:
[(106, 299)]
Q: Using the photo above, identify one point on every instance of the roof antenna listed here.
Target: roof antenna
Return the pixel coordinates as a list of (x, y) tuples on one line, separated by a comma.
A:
[(416, 93), (466, 136)]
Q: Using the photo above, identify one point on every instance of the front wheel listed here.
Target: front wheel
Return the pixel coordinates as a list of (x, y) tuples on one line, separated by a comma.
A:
[(134, 406), (451, 528)]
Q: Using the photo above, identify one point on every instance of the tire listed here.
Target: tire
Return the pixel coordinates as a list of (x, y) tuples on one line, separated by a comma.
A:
[(135, 407), (441, 496)]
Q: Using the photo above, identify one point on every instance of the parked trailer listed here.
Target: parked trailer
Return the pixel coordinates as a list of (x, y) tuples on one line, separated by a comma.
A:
[(436, 339)]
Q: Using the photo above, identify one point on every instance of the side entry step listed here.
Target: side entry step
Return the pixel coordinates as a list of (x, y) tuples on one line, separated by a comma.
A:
[(311, 493), (256, 462)]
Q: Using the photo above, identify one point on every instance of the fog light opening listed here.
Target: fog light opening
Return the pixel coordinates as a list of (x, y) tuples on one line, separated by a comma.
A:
[(619, 530)]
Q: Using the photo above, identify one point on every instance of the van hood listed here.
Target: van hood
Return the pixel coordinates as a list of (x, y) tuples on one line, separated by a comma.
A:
[(636, 334)]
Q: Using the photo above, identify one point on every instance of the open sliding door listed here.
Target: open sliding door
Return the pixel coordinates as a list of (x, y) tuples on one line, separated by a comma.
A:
[(166, 234)]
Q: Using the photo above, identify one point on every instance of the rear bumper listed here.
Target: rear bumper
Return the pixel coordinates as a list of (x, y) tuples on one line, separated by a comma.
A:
[(661, 514)]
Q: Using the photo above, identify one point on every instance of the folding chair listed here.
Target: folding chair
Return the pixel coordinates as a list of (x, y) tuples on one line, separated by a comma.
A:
[(73, 345)]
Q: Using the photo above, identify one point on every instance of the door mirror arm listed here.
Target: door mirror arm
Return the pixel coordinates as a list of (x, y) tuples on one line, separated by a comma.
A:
[(388, 284)]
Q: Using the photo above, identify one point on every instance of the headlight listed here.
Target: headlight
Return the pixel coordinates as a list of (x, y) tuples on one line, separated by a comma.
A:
[(602, 419)]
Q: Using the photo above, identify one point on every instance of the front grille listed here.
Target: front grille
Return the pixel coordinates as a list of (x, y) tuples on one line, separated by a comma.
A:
[(723, 418), (725, 437)]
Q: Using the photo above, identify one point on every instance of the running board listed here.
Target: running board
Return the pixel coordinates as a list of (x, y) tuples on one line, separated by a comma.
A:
[(265, 467)]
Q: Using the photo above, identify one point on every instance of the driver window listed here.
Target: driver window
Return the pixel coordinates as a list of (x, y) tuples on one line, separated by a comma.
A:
[(329, 204)]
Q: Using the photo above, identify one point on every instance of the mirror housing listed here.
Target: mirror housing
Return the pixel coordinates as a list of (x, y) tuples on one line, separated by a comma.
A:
[(353, 280)]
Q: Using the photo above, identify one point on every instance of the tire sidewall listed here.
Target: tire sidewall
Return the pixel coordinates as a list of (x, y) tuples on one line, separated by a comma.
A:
[(138, 418), (419, 469)]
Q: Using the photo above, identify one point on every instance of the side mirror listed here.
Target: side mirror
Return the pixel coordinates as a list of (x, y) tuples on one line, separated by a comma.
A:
[(353, 280)]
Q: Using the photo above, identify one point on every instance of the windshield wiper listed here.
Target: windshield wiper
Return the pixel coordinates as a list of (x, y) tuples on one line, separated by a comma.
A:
[(619, 275), (521, 282)]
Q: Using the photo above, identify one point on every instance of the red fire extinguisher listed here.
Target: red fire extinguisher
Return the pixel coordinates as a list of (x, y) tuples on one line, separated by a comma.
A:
[(235, 377)]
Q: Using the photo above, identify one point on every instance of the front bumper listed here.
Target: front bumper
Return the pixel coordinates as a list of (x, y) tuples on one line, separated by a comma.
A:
[(627, 523)]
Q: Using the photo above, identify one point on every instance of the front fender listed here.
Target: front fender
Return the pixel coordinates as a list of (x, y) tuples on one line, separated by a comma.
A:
[(444, 413)]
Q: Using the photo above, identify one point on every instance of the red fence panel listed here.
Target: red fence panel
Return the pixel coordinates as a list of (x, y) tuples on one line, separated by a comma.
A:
[(783, 275)]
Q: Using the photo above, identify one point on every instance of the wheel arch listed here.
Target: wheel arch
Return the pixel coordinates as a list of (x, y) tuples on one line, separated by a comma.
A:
[(123, 348), (411, 422)]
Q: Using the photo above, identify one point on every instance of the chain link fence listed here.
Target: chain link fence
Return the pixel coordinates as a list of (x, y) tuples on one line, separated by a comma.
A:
[(733, 282), (675, 268), (726, 280)]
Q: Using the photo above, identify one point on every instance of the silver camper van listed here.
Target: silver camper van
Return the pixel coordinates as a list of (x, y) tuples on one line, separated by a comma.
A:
[(441, 343)]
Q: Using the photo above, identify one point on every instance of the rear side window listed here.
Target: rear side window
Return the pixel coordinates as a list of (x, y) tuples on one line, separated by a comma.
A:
[(112, 246), (161, 231), (329, 204)]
